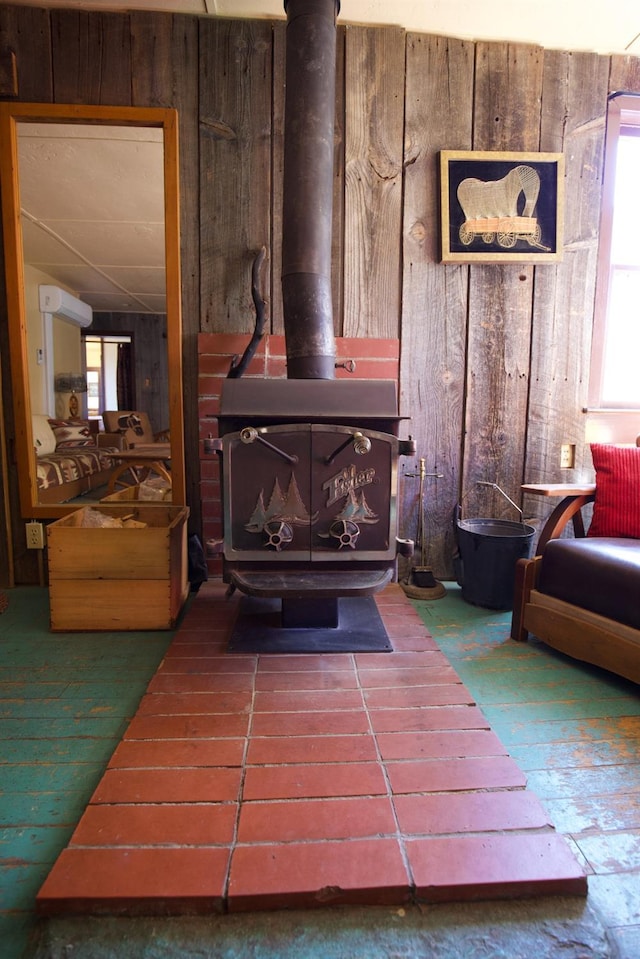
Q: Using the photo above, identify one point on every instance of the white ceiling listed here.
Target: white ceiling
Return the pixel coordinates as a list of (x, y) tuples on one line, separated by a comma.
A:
[(112, 254), (92, 208)]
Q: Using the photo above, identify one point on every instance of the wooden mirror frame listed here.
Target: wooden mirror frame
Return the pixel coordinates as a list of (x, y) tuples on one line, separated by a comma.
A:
[(167, 119)]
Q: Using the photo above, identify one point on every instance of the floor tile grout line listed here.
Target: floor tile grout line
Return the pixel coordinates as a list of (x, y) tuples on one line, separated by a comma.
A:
[(543, 830), (241, 784), (390, 795)]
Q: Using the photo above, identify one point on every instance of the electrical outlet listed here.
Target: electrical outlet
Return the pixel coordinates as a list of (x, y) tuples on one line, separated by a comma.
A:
[(567, 456), (35, 536)]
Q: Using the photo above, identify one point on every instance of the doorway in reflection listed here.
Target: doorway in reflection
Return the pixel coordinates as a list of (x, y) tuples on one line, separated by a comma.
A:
[(109, 371), (128, 352)]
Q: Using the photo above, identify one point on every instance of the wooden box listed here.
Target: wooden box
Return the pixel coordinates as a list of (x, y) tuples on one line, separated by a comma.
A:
[(133, 493), (115, 578)]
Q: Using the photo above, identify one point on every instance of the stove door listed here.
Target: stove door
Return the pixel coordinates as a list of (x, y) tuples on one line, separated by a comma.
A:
[(310, 492), (353, 494), (267, 490)]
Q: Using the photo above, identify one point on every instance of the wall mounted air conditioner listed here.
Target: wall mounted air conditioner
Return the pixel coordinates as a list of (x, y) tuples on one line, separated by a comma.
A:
[(62, 304)]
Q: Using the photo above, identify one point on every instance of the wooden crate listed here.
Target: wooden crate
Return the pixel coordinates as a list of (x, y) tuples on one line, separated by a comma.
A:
[(118, 579), (132, 493)]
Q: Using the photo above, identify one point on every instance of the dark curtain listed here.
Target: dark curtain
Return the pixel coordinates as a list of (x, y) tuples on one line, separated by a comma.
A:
[(124, 377)]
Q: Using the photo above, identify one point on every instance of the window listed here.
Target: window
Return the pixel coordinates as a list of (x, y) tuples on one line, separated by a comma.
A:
[(614, 382)]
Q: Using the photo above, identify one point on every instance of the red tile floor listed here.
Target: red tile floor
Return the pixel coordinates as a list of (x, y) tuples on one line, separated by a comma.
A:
[(249, 782)]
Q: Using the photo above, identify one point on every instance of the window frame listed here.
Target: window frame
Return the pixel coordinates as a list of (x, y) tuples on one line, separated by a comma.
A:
[(623, 112)]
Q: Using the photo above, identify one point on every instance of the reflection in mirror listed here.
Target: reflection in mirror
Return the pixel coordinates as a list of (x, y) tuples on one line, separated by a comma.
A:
[(91, 232)]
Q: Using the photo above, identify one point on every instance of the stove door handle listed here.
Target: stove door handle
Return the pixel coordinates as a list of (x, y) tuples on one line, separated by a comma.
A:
[(361, 445), (249, 435)]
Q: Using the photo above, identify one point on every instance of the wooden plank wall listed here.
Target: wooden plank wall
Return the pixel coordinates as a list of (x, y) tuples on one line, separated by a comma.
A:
[(493, 358), (438, 104)]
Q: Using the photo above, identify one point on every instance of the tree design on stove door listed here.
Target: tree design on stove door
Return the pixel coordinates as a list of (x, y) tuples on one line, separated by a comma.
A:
[(357, 509), (345, 529), (283, 507)]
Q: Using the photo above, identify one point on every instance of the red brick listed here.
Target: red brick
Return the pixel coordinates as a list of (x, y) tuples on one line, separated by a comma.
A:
[(439, 673), (208, 409), (312, 874), (228, 683), (168, 753), (431, 814), (188, 727), (371, 369), (166, 880), (310, 724), (446, 694), (412, 660), (343, 679), (406, 643), (193, 645), (494, 866), (210, 385), (392, 594), (276, 367), (223, 343), (186, 704), (276, 345), (184, 824), (297, 701), (168, 785), (312, 782), (451, 775), (436, 717), (311, 749), (207, 664), (316, 819), (454, 743), (348, 346), (210, 470), (312, 662)]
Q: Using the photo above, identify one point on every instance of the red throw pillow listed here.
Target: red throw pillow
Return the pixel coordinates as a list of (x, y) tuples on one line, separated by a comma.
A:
[(616, 510)]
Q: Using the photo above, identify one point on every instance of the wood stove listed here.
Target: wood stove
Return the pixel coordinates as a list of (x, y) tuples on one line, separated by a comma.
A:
[(310, 472), (310, 462)]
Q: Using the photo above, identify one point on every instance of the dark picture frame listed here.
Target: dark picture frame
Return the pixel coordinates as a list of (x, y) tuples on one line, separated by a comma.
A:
[(501, 207)]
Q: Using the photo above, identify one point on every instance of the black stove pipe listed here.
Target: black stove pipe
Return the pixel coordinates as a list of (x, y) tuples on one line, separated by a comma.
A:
[(308, 188)]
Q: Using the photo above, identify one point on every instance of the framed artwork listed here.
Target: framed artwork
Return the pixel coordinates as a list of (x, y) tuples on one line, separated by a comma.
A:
[(501, 207)]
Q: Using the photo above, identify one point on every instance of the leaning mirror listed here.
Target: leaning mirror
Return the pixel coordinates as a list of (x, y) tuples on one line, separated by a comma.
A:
[(92, 256)]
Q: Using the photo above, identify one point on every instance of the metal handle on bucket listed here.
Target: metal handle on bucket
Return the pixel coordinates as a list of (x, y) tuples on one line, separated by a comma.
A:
[(502, 493)]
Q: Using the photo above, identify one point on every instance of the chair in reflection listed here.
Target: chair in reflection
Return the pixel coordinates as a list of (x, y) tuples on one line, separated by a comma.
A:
[(135, 427), (145, 452)]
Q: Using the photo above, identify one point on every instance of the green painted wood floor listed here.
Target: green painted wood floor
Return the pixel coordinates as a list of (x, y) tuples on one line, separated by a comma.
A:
[(65, 700), (574, 730)]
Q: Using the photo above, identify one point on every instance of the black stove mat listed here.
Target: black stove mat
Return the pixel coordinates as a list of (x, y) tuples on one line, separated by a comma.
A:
[(258, 629)]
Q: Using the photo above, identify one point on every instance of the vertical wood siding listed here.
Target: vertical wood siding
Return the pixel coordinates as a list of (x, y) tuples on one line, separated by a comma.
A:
[(493, 358), (438, 116), (374, 84), (574, 96)]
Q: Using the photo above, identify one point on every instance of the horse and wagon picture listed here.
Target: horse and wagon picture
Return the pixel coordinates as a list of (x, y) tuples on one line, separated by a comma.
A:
[(500, 207)]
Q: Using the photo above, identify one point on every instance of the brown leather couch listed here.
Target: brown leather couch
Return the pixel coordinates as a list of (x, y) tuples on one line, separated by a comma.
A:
[(582, 595)]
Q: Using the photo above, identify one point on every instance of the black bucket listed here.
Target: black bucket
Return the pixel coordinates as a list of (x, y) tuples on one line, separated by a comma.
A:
[(485, 563)]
